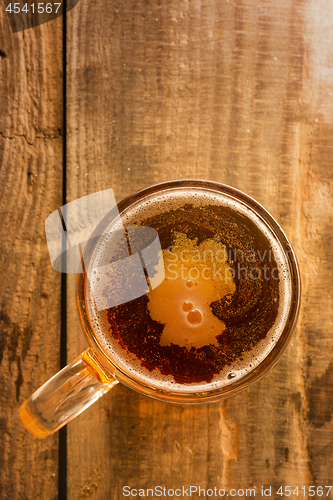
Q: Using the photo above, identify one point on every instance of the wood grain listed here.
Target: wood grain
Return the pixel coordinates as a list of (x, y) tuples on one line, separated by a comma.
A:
[(31, 188), (239, 92)]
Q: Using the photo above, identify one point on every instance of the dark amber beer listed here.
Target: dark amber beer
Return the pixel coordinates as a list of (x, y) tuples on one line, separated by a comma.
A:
[(227, 302), (190, 291)]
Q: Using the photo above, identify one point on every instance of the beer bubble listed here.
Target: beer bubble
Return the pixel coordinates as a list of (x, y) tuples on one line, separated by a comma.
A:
[(194, 317), (187, 306)]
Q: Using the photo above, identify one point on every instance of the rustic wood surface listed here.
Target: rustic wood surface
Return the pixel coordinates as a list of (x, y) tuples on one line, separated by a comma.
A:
[(236, 91), (31, 150)]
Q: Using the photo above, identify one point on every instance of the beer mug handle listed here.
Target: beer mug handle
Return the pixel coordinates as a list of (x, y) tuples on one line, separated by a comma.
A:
[(66, 394)]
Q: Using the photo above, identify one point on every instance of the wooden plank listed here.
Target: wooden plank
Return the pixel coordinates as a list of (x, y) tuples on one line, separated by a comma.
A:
[(239, 92), (31, 186)]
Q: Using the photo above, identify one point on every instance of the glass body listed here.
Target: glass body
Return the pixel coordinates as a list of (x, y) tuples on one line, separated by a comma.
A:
[(96, 370)]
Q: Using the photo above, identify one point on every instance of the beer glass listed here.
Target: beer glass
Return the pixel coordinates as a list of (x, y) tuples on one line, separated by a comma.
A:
[(205, 211)]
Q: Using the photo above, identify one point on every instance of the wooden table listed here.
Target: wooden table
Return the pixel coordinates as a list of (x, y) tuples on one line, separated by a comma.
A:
[(236, 91)]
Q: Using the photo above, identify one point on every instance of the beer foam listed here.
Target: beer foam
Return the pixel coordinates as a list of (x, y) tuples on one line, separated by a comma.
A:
[(154, 205), (182, 301)]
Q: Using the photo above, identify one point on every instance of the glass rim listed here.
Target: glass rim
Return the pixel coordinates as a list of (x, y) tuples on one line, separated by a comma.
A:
[(258, 371)]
